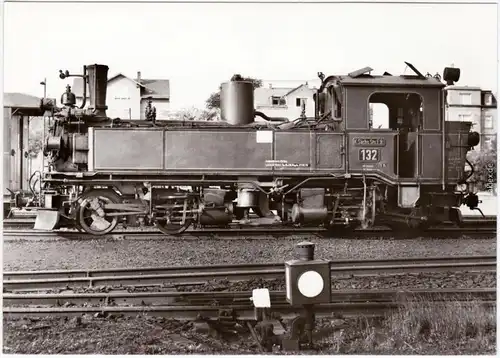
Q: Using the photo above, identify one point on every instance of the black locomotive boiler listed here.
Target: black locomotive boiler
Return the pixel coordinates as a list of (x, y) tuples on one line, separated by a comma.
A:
[(333, 170)]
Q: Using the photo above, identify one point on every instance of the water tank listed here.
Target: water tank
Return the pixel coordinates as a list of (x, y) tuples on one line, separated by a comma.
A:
[(237, 102)]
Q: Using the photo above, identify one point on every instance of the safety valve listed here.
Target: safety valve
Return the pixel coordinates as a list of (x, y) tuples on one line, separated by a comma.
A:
[(307, 280)]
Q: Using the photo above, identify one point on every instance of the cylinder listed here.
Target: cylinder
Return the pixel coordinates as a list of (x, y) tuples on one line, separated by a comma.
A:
[(215, 217), (302, 215), (237, 103), (98, 82), (305, 250), (214, 196)]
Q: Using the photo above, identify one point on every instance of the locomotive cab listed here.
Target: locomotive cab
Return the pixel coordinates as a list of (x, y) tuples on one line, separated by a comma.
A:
[(396, 131)]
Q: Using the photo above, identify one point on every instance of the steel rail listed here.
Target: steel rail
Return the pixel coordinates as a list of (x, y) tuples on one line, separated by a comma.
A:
[(243, 312), (467, 220), (235, 232), (336, 266), (237, 297), (201, 275)]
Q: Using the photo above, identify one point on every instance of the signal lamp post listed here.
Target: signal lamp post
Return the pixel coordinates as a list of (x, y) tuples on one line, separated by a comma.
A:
[(44, 84), (308, 283)]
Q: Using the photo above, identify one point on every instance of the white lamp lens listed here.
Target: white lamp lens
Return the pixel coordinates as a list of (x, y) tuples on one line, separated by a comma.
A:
[(310, 284)]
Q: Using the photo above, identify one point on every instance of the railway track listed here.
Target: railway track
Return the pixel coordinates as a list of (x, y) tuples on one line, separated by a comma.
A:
[(199, 275), (472, 229), (190, 306), (124, 298), (79, 292)]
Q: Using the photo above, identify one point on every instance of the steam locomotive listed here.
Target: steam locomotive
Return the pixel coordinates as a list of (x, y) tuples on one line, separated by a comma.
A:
[(331, 171)]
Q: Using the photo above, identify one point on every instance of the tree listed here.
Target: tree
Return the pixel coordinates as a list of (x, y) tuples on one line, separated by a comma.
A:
[(214, 100), (485, 167), (195, 114), (35, 137)]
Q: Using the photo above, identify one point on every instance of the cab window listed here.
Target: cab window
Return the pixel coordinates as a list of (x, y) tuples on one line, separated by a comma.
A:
[(393, 111)]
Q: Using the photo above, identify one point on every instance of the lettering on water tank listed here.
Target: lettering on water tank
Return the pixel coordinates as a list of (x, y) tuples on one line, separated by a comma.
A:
[(264, 136)]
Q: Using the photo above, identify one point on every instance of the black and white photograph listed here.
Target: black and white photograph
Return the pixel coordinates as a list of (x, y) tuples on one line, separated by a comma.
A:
[(249, 178)]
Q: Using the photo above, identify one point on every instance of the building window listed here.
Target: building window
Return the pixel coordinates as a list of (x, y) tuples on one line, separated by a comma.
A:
[(465, 99), (278, 101), (487, 143), (488, 99), (299, 101), (465, 117), (488, 122)]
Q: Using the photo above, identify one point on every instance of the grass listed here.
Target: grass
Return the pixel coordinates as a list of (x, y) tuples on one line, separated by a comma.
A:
[(421, 326)]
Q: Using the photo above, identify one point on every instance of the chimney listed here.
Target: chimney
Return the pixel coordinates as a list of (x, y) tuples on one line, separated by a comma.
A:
[(270, 85), (98, 83), (138, 77)]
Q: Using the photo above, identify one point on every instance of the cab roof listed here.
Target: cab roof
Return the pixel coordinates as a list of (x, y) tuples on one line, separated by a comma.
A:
[(363, 77), (391, 81)]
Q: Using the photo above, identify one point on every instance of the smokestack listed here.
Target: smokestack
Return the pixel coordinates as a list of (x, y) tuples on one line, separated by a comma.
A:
[(138, 77), (98, 84)]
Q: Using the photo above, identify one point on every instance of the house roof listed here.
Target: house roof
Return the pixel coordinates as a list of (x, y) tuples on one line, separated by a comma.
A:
[(20, 100), (295, 89), (262, 94), (463, 88), (22, 103), (155, 88), (122, 75)]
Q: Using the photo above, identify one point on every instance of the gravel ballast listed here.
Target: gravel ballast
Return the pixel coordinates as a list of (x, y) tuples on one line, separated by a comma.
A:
[(148, 335), (112, 253)]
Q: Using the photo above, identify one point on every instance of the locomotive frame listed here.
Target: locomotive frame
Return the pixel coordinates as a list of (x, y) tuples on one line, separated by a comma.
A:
[(333, 170)]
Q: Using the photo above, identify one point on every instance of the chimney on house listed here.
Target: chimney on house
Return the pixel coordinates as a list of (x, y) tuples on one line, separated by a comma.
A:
[(138, 77), (270, 85)]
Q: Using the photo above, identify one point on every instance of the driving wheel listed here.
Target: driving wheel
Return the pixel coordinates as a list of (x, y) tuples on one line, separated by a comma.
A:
[(92, 213)]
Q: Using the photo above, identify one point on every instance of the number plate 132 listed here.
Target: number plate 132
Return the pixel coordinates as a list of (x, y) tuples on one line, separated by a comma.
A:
[(369, 155)]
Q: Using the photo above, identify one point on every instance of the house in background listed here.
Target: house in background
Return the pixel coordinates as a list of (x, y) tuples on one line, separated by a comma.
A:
[(20, 112), (489, 118), (127, 98), (471, 104), (284, 102)]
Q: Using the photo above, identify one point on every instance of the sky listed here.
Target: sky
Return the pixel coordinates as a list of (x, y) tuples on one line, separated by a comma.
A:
[(198, 46)]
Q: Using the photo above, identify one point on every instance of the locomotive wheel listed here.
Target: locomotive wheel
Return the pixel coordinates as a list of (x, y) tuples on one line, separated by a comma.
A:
[(78, 227), (89, 220), (416, 224), (172, 229), (164, 223)]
